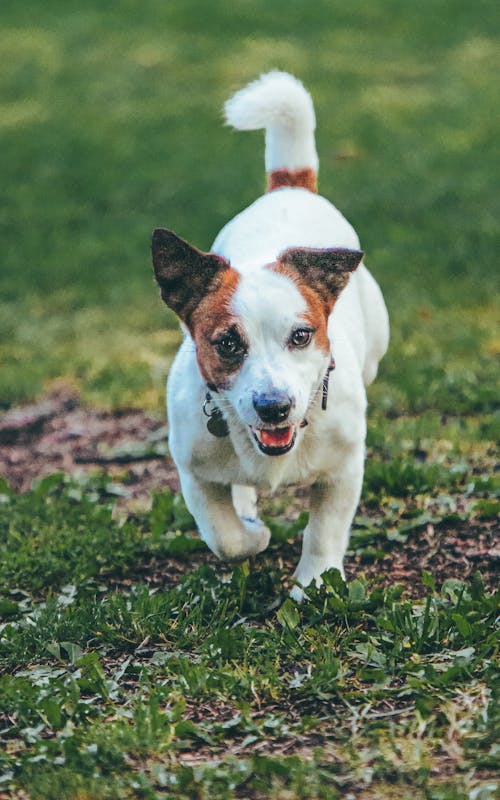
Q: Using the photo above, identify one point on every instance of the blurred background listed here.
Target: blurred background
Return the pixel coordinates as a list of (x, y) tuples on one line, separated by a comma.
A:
[(111, 124)]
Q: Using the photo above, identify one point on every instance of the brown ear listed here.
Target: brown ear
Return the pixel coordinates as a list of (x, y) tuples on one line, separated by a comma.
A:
[(183, 273), (327, 271)]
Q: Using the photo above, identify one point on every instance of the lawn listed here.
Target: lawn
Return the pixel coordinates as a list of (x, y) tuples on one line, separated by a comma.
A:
[(132, 663)]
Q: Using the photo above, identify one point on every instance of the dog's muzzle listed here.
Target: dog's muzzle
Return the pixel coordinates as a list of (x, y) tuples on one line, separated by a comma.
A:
[(275, 437), (275, 441), (272, 407)]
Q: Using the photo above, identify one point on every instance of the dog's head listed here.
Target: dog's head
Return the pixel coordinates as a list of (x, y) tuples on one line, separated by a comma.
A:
[(261, 338)]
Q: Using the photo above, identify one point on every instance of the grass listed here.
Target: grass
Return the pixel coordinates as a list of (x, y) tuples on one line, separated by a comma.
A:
[(119, 678), (133, 665)]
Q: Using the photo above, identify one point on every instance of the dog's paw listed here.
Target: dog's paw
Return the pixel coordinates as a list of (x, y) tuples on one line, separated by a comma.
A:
[(308, 572), (298, 594), (259, 534), (252, 538)]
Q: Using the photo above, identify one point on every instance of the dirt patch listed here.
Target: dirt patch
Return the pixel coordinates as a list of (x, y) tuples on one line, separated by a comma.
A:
[(443, 551), (61, 435)]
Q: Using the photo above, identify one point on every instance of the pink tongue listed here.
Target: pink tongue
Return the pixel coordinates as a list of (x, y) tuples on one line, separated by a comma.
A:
[(276, 438)]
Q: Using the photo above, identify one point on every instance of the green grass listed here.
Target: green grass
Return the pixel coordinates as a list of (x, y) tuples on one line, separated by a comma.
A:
[(116, 681), (131, 664)]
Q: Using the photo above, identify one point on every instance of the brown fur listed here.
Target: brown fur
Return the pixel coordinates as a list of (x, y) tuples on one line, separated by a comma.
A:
[(198, 287), (320, 276), (304, 178), (318, 309), (211, 319), (184, 274), (316, 315), (327, 270)]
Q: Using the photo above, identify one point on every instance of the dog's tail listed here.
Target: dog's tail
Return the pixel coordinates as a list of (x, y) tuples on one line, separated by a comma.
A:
[(279, 103)]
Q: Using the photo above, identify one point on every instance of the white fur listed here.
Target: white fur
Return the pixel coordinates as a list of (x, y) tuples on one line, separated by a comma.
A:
[(219, 475), (279, 103)]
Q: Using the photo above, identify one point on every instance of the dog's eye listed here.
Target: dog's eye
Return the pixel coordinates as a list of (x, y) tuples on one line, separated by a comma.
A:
[(301, 337), (231, 347)]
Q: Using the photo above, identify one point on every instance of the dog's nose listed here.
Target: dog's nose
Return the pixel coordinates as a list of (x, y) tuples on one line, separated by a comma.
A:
[(272, 406)]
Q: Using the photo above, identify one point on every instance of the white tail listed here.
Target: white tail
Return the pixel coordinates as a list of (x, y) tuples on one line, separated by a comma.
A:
[(279, 103)]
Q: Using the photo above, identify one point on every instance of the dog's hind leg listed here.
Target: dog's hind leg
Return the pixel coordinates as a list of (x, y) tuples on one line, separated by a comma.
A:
[(332, 508), (227, 534)]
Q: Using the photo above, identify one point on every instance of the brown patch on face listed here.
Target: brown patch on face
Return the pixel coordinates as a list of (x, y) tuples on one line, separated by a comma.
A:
[(304, 178), (213, 320), (320, 275), (199, 287), (318, 309), (316, 315)]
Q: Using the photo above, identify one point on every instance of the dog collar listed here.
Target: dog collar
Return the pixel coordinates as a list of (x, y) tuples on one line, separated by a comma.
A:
[(217, 425), (326, 381)]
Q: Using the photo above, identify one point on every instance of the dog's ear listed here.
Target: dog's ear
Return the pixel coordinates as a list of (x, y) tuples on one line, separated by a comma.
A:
[(183, 273), (327, 271)]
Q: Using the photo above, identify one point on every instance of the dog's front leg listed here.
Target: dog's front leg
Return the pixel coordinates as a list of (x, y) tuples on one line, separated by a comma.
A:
[(332, 508), (245, 501), (226, 534)]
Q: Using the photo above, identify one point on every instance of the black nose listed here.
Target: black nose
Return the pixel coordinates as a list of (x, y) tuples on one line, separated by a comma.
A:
[(272, 406)]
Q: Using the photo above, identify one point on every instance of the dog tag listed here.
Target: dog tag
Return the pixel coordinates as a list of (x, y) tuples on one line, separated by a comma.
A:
[(217, 425)]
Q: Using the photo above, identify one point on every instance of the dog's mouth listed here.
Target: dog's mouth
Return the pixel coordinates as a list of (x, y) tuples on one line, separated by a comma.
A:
[(275, 441)]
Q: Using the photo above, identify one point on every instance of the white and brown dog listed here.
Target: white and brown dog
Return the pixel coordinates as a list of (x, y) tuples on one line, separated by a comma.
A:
[(279, 301)]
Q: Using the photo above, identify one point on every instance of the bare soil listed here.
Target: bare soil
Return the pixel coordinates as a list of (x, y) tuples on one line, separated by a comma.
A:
[(59, 434)]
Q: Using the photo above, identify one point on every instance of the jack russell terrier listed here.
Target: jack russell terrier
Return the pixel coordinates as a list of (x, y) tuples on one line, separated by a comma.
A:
[(284, 329)]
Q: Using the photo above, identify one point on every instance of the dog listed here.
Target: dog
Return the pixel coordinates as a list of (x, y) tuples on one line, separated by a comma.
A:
[(284, 328)]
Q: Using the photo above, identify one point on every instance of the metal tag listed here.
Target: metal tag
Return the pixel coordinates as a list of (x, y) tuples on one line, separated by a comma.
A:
[(217, 425)]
